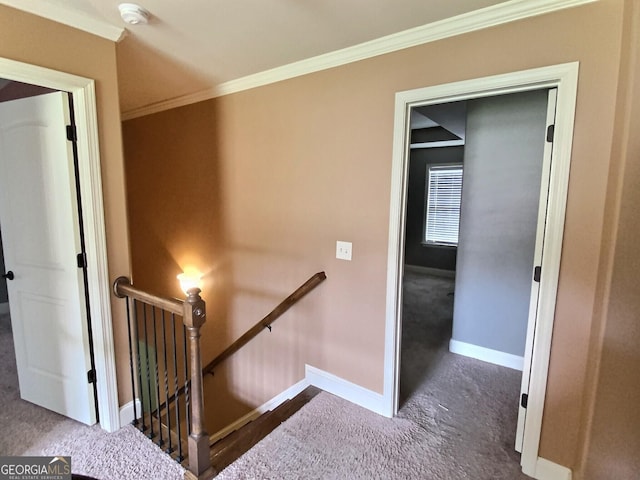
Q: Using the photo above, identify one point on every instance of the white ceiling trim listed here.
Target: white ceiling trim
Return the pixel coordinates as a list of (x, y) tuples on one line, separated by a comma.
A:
[(469, 22), (439, 144), (68, 16)]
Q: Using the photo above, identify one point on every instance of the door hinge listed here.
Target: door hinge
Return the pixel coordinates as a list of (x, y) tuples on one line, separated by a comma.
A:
[(536, 274), (550, 130), (91, 376), (72, 134), (524, 400), (82, 260)]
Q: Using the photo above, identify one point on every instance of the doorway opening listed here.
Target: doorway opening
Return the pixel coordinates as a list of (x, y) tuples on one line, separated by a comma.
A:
[(89, 171), (47, 293), (536, 360), (470, 244)]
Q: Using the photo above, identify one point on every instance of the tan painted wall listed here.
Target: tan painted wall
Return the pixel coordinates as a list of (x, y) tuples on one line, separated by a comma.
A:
[(34, 40), (612, 430), (281, 172)]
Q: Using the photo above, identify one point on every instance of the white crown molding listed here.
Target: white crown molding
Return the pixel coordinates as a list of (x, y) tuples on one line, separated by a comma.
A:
[(438, 144), (68, 16), (176, 102), (469, 22)]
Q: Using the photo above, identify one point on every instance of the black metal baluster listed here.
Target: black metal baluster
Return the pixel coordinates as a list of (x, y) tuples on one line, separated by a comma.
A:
[(166, 383), (146, 344), (133, 382), (180, 457), (155, 347), (186, 380), (142, 425)]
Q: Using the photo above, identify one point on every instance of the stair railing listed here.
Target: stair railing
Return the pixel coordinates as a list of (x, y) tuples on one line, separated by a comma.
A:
[(175, 360), (263, 324), (160, 352), (267, 321)]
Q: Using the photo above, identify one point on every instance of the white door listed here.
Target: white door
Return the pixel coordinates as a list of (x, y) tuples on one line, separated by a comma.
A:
[(537, 262), (41, 239)]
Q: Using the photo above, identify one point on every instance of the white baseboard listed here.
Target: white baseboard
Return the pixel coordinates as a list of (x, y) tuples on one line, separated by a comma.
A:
[(321, 379), (436, 272), (486, 354), (4, 308), (547, 470), (126, 412), (349, 391), (255, 413)]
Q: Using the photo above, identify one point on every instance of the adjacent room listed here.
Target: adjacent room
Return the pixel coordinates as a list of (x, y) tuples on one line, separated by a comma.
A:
[(472, 221)]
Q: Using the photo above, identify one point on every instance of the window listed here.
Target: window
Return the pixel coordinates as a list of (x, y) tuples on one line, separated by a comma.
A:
[(442, 219)]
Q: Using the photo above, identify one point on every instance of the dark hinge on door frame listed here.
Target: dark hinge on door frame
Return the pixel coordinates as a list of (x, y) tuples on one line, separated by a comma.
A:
[(72, 133), (537, 272), (550, 131), (524, 400), (91, 376), (82, 260)]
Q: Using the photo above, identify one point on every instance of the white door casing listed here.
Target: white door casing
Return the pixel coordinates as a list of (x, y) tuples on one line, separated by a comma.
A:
[(564, 77), (537, 261), (41, 238), (84, 96)]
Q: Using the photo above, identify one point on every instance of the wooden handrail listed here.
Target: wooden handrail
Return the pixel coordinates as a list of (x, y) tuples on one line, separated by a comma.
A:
[(285, 305), (122, 287)]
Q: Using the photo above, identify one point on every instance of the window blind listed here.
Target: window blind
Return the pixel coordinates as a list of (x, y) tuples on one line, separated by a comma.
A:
[(444, 184)]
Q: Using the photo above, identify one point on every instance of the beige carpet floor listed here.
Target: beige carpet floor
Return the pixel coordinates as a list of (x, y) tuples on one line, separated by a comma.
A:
[(457, 420), (30, 430)]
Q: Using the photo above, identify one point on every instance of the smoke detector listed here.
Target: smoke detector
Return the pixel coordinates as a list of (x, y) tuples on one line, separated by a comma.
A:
[(133, 14)]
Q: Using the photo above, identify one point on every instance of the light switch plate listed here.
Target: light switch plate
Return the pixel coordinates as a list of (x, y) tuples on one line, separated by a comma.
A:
[(343, 250)]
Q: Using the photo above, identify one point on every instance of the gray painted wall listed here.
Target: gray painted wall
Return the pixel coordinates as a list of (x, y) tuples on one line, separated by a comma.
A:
[(415, 251), (3, 283), (500, 194)]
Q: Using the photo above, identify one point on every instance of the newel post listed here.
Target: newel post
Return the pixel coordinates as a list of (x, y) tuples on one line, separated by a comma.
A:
[(194, 317)]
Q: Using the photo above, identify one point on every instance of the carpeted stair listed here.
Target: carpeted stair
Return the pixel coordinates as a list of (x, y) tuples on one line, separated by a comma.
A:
[(228, 449)]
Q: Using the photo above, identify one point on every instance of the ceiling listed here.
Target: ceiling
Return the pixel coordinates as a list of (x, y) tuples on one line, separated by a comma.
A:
[(192, 46), (438, 125)]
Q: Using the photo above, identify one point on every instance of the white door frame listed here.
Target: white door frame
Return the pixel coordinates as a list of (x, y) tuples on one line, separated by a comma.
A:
[(564, 77), (532, 317), (84, 100)]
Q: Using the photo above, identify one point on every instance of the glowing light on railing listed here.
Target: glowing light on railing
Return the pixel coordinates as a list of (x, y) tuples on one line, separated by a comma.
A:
[(189, 279)]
